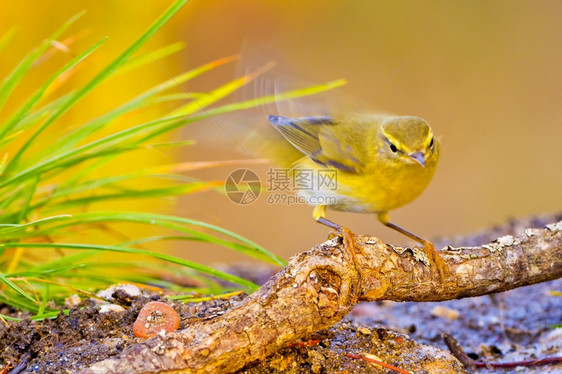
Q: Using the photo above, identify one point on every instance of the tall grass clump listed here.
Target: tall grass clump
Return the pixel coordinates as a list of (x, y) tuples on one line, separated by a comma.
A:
[(51, 180)]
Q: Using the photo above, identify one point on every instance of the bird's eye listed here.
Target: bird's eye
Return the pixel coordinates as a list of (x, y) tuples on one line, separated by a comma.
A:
[(431, 143), (393, 148)]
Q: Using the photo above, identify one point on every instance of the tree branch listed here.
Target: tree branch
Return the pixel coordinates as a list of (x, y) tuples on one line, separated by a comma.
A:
[(319, 287)]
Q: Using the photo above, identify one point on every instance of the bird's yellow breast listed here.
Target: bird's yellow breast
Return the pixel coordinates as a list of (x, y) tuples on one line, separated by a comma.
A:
[(382, 188)]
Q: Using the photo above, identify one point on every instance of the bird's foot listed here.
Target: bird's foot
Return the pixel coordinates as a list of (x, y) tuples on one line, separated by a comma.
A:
[(348, 237), (435, 260), (349, 243)]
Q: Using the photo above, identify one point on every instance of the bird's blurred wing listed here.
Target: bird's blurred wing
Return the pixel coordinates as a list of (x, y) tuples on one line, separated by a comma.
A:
[(321, 139), (340, 149)]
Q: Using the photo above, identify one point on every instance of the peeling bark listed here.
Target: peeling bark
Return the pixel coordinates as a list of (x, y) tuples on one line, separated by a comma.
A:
[(319, 287)]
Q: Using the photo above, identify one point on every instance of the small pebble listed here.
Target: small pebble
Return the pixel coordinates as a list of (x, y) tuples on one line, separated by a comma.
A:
[(72, 301), (373, 357), (364, 330), (444, 312), (129, 289), (109, 308)]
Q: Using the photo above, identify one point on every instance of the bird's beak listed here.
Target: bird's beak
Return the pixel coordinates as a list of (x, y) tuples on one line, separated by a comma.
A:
[(418, 157)]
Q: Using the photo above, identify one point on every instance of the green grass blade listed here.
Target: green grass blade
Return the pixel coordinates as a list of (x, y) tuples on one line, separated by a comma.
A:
[(59, 159), (130, 194), (156, 268), (30, 119), (279, 97), (94, 186), (149, 239), (35, 115), (175, 260), (18, 229), (44, 300), (25, 208), (11, 123), (149, 57), (177, 97), (8, 199), (51, 166), (180, 143), (250, 248), (8, 318), (19, 72), (7, 38), (65, 262), (48, 315), (220, 92), (19, 302), (15, 287)]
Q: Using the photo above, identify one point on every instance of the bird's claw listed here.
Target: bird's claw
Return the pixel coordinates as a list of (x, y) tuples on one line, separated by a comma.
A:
[(435, 260), (349, 243)]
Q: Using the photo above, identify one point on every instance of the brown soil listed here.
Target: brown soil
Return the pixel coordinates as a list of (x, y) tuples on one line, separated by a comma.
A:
[(85, 336)]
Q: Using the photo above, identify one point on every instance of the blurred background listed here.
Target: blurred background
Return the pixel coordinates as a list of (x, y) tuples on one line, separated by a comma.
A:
[(485, 75)]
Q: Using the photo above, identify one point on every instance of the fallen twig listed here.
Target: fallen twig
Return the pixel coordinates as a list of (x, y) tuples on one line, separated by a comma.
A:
[(458, 352), (513, 364)]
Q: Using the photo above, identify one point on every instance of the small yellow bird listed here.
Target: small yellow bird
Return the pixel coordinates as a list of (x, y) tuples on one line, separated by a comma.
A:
[(380, 162)]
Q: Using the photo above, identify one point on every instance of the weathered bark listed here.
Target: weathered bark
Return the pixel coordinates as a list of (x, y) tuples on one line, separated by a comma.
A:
[(319, 287)]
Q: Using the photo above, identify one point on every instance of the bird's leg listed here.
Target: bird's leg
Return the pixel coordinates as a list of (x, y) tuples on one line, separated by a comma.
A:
[(435, 259), (348, 237)]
